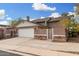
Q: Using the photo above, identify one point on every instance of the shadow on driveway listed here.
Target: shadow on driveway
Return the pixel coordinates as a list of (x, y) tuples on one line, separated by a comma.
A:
[(4, 53)]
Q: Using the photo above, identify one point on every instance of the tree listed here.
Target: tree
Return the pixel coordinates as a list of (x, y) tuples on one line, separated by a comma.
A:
[(68, 21), (70, 25), (64, 14), (13, 23)]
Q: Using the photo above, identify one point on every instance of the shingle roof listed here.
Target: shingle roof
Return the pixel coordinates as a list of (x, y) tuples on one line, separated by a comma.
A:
[(49, 19), (4, 26)]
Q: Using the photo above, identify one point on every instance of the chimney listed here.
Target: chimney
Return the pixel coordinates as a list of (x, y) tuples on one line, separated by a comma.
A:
[(28, 18)]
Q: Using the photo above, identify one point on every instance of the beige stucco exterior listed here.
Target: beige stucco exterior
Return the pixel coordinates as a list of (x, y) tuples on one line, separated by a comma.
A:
[(54, 31)]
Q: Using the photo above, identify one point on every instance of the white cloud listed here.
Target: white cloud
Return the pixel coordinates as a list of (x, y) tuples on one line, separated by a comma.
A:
[(55, 15), (40, 6), (71, 13), (2, 14), (75, 8), (31, 19), (4, 22), (8, 18), (26, 18), (42, 17), (7, 15)]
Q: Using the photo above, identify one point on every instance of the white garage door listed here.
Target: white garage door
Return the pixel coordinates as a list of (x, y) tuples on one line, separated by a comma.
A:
[(26, 32)]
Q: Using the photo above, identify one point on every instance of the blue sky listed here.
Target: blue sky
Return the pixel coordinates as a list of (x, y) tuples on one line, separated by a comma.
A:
[(10, 11)]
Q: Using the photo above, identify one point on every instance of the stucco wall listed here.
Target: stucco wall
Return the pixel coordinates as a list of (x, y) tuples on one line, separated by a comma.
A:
[(58, 28), (59, 34)]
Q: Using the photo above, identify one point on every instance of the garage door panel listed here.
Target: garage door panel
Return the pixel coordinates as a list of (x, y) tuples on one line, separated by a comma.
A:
[(26, 32)]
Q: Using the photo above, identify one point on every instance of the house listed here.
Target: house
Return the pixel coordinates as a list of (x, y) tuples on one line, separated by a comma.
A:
[(26, 29), (2, 28), (7, 32), (47, 29), (55, 29)]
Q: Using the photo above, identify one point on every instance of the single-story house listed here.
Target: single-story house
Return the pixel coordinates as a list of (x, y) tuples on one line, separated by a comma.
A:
[(7, 31), (47, 28), (26, 29)]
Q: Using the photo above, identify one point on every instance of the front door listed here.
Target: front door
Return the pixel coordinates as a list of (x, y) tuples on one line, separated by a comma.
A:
[(49, 33)]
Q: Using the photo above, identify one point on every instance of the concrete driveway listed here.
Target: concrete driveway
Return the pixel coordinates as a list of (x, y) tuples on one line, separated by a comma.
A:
[(4, 53), (35, 47)]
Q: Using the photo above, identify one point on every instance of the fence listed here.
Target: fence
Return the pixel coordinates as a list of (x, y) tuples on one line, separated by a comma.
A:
[(41, 34), (7, 33)]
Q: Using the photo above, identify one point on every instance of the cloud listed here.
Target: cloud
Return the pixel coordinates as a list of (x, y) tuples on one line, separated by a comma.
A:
[(24, 18), (8, 18), (4, 22), (2, 14), (75, 8), (71, 13), (6, 15), (55, 15), (40, 6), (32, 19), (42, 17)]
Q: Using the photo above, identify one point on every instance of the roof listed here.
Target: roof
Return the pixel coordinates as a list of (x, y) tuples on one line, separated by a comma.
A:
[(4, 26), (41, 20), (49, 19), (25, 23)]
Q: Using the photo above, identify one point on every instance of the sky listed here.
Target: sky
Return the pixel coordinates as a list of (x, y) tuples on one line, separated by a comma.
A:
[(11, 11)]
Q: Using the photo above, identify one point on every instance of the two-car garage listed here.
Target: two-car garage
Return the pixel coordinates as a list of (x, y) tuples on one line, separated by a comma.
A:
[(26, 32), (26, 29)]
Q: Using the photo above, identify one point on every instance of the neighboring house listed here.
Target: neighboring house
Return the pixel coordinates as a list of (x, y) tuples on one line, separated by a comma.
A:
[(7, 32), (46, 28), (2, 28)]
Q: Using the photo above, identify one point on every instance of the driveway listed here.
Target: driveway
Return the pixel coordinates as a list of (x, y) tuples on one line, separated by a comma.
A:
[(4, 53), (40, 47)]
